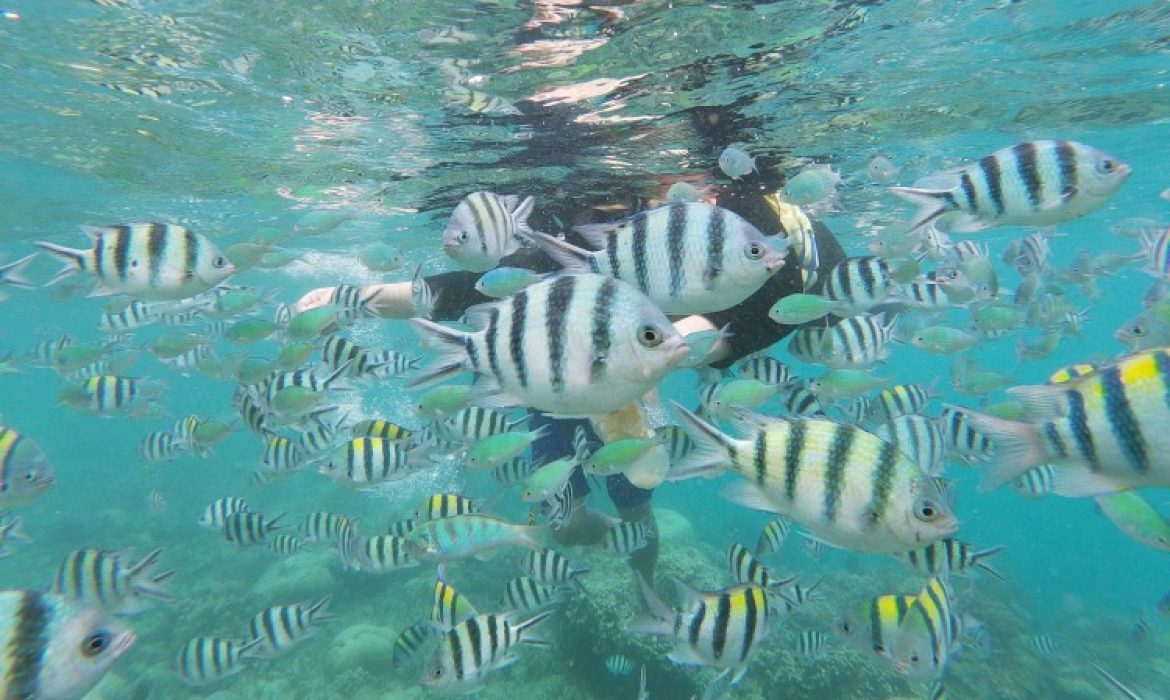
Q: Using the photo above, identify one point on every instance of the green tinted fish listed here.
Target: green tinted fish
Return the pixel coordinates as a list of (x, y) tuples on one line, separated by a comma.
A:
[(250, 330), (467, 536), (1134, 516), (871, 626), (410, 641), (614, 457), (382, 257), (796, 309), (295, 355), (547, 481), (309, 324), (505, 281), (497, 449), (942, 340), (442, 401), (844, 384)]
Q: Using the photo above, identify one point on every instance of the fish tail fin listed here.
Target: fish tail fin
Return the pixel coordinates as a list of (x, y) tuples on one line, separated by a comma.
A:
[(521, 213), (10, 273), (451, 349), (142, 579), (523, 636), (931, 204), (978, 557), (709, 456), (75, 260), (1018, 448), (569, 256)]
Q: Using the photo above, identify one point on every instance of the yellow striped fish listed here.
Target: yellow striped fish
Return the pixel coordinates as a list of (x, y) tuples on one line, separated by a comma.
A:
[(25, 471), (845, 485), (872, 625), (1102, 430), (928, 634)]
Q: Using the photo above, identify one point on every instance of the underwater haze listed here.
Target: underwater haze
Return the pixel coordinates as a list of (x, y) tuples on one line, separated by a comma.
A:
[(1007, 158)]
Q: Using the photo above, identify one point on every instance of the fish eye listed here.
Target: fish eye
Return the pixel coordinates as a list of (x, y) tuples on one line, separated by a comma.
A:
[(1137, 330), (845, 626), (95, 643), (437, 672), (218, 262), (463, 235), (755, 250), (914, 658), (878, 648), (926, 510), (31, 475), (649, 336), (1107, 166)]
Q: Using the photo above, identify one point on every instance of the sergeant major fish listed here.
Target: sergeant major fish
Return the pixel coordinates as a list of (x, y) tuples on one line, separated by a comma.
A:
[(484, 228), (477, 646), (25, 471)]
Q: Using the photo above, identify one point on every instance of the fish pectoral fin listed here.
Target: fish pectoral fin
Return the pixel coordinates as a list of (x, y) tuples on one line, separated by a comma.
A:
[(687, 656), (1058, 201), (1076, 480), (749, 495)]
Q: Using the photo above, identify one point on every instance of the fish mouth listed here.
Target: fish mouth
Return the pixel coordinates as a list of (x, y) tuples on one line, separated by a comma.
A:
[(450, 246), (679, 352)]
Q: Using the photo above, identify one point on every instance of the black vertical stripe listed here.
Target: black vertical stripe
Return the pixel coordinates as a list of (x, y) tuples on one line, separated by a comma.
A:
[(676, 246), (720, 627), (883, 479), (156, 252), (638, 245), (599, 338), (1066, 159), (555, 313), (865, 270), (716, 239), (1028, 167), (99, 255), (1079, 426), (696, 627), (969, 192), (1127, 431), (875, 625), (750, 614), (1162, 362), (792, 454), (493, 640), (760, 456), (121, 251), (992, 175), (472, 353), (516, 338), (838, 459), (27, 646), (612, 254), (456, 652), (490, 336), (477, 221)]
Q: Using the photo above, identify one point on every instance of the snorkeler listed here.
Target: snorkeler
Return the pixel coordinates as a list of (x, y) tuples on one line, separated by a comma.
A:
[(749, 331)]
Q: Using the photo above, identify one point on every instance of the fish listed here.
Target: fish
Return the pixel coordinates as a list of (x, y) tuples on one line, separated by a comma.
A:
[(136, 314), (1134, 516), (353, 302), (107, 581), (108, 395), (475, 423), (244, 528), (773, 536), (410, 641), (1042, 644), (478, 646), (857, 284), (548, 481), (449, 607), (378, 554), (380, 428), (719, 629), (871, 626), (445, 505), (422, 296), (506, 281), (619, 665), (813, 186), (401, 528), (486, 227), (285, 545), (205, 660), (281, 627), (616, 456), (572, 346), (10, 273), (1100, 429), (881, 169), (798, 596), (513, 471), (764, 368), (950, 556), (898, 400), (628, 536), (159, 446), (795, 309), (467, 536), (145, 260), (367, 461), (929, 633), (323, 526), (814, 547), (919, 438), (857, 341), (477, 101), (735, 162), (54, 648), (523, 594), (25, 470), (494, 450), (811, 643), (845, 485), (687, 258), (961, 438), (382, 257), (1033, 183), (216, 514), (550, 567), (1035, 483), (745, 568), (282, 456)]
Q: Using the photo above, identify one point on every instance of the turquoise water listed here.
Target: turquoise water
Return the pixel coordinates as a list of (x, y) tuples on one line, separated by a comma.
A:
[(238, 118)]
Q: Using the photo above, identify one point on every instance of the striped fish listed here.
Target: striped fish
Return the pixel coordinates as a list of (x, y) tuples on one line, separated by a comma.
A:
[(810, 643), (159, 446), (410, 641), (898, 400), (1104, 429), (322, 526), (477, 101), (449, 607), (382, 553), (1156, 250), (626, 537), (773, 536), (204, 660), (928, 635), (745, 568), (368, 461), (285, 545), (387, 364), (861, 283), (282, 456), (1033, 183), (53, 647), (476, 647), (381, 429), (765, 369), (550, 567), (872, 625), (474, 423), (566, 346), (445, 505), (857, 341), (678, 444), (486, 227), (1042, 644), (353, 302), (805, 344), (687, 257), (963, 441), (25, 471), (522, 594), (107, 395), (919, 438), (244, 528), (845, 485), (106, 581), (513, 472), (467, 536), (719, 629), (134, 315), (281, 627), (925, 294), (401, 528), (148, 261), (950, 555), (799, 400), (216, 515)]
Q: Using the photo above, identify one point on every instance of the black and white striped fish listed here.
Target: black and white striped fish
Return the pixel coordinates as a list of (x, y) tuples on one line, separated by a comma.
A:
[(323, 526), (282, 456), (628, 536), (857, 341), (285, 545), (963, 441), (745, 568), (950, 555), (1036, 482), (765, 369), (476, 647), (898, 400), (204, 660), (367, 461), (523, 594), (811, 643), (919, 437), (106, 581), (352, 302), (244, 528), (401, 528), (54, 648), (134, 315), (1042, 644), (382, 553), (281, 627), (550, 567), (107, 395), (448, 606), (215, 515), (148, 261), (688, 257), (474, 423), (773, 536), (1033, 183), (410, 641), (159, 446), (861, 283), (486, 227), (571, 346)]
